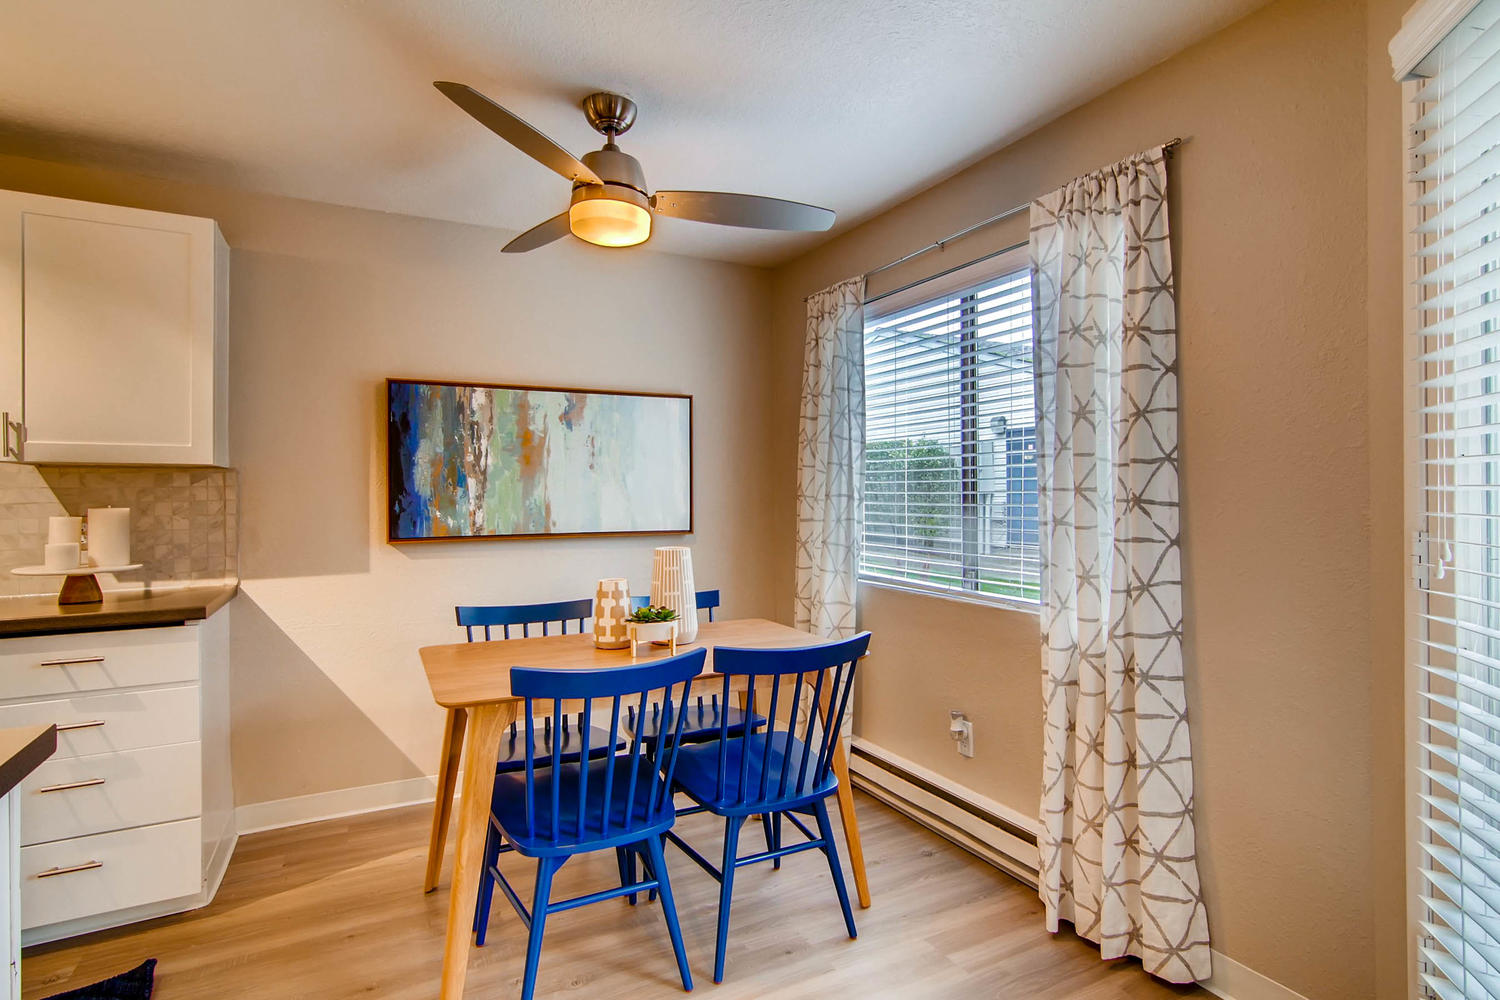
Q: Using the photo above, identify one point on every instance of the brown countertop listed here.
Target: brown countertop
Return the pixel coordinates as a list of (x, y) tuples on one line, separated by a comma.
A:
[(130, 609), (21, 750)]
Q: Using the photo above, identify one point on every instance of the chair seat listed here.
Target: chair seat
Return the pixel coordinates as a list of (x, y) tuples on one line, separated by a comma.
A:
[(513, 748), (702, 722), (697, 774), (508, 808)]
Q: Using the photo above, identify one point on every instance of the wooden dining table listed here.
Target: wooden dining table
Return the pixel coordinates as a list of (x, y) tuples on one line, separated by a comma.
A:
[(472, 681)]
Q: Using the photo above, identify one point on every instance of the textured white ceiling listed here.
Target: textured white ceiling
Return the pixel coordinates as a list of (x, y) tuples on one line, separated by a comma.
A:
[(852, 104)]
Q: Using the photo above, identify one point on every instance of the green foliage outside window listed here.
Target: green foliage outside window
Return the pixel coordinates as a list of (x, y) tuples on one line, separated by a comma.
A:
[(911, 489)]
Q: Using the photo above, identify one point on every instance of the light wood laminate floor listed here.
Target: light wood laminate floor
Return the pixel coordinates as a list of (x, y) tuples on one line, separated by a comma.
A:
[(335, 910)]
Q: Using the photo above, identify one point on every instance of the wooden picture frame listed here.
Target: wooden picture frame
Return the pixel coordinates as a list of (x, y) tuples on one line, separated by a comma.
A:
[(484, 461)]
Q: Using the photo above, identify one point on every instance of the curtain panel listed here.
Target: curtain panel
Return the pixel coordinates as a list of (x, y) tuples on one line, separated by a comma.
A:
[(831, 461), (1117, 852)]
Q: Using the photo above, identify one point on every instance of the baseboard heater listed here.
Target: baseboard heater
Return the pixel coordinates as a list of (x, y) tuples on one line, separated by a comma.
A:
[(980, 826)]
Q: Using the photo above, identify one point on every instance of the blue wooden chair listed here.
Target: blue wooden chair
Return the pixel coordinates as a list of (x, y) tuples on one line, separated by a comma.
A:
[(573, 740), (553, 810), (784, 770), (507, 616)]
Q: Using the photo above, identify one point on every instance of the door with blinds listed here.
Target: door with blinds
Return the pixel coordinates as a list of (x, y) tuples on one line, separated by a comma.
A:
[(1454, 506)]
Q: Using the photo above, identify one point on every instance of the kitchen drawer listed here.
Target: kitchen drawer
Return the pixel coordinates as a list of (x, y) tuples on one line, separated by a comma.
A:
[(109, 871), (105, 723), (52, 665), (78, 796)]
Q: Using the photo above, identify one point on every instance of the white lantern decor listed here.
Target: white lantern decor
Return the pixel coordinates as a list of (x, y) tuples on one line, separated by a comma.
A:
[(672, 587)]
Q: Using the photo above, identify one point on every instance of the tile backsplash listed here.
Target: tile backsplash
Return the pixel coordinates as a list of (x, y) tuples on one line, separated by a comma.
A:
[(184, 522)]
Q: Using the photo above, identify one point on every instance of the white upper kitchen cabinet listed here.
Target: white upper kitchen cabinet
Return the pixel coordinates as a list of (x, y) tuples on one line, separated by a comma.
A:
[(113, 334)]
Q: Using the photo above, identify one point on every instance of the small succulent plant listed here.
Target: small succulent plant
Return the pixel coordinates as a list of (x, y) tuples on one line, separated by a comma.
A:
[(649, 614)]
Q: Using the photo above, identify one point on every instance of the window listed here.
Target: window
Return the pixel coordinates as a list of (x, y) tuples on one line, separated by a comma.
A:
[(1454, 485), (950, 437)]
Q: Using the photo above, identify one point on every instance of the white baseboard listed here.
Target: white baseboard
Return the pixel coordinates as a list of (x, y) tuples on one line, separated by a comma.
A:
[(1007, 840), (1234, 981), (257, 817), (115, 918), (213, 876)]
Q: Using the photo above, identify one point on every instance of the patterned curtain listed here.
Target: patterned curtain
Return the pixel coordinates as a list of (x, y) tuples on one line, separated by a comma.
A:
[(830, 461), (1117, 846)]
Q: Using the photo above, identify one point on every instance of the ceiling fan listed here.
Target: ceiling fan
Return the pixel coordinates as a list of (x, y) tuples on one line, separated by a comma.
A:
[(610, 205)]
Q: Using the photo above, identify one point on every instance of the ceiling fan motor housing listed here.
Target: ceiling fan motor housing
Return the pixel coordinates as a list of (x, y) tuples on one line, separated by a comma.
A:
[(615, 167), (610, 192)]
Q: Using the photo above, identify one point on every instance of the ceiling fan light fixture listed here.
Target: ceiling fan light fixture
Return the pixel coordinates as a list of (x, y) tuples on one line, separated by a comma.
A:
[(610, 207), (609, 215)]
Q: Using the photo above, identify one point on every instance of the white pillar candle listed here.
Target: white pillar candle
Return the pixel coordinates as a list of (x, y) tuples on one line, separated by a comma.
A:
[(64, 530), (60, 555), (109, 536)]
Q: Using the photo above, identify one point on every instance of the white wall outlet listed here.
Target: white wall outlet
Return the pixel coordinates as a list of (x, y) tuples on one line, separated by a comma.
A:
[(962, 731)]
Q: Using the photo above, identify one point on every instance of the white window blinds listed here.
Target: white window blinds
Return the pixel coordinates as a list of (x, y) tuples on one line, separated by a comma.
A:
[(950, 430), (1456, 495)]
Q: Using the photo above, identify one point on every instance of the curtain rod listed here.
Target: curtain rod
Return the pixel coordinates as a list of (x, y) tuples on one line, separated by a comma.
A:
[(1166, 147), (947, 271)]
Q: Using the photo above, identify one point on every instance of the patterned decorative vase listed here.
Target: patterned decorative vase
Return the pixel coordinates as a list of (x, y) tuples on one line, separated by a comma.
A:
[(672, 587), (611, 608)]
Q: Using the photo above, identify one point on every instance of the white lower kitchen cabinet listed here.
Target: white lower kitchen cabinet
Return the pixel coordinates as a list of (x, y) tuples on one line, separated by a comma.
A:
[(10, 912), (22, 751), (133, 816)]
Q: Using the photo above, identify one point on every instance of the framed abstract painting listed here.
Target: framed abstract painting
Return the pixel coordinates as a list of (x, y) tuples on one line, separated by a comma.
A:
[(471, 460)]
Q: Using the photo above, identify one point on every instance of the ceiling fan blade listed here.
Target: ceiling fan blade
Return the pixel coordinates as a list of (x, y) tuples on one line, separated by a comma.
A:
[(748, 210), (516, 132), (554, 228)]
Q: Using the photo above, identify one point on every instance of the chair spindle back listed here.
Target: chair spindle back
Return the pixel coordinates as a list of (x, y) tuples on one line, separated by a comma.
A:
[(789, 754), (646, 776), (525, 615)]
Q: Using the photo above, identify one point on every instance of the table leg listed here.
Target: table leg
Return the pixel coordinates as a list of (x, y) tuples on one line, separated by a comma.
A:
[(851, 824), (846, 804), (442, 808), (485, 726)]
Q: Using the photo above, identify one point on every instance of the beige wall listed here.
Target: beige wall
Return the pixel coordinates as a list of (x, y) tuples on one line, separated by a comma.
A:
[(1386, 376), (327, 302), (1289, 387)]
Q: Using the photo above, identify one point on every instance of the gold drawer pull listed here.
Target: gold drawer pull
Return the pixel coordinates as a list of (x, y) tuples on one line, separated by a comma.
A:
[(69, 727), (70, 869), (88, 783), (71, 660)]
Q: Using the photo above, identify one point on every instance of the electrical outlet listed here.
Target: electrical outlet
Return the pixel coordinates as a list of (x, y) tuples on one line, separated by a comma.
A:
[(962, 731)]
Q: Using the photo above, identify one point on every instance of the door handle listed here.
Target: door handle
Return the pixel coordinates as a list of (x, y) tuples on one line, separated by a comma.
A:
[(16, 451), (70, 661), (87, 783), (70, 869), (69, 727)]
